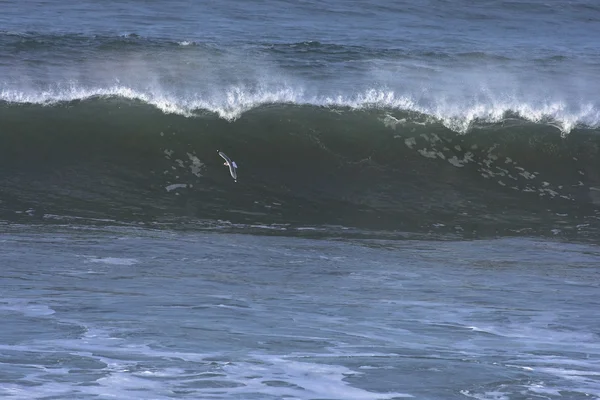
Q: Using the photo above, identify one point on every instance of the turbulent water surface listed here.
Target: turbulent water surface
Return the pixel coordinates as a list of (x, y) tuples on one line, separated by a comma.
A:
[(416, 211)]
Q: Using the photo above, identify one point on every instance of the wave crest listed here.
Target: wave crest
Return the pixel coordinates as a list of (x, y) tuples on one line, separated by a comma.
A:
[(233, 101)]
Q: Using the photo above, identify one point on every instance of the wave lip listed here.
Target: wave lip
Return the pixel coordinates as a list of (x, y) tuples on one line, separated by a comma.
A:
[(231, 103), (191, 77)]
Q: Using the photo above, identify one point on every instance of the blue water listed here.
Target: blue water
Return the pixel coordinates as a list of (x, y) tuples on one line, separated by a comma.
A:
[(510, 28), (122, 313), (416, 212)]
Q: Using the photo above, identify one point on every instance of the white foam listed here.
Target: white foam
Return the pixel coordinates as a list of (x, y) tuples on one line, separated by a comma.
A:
[(232, 101), (40, 391), (26, 307), (301, 380), (540, 388), (196, 165), (569, 373), (175, 186), (165, 103), (432, 147), (255, 375), (491, 395), (113, 261), (308, 228)]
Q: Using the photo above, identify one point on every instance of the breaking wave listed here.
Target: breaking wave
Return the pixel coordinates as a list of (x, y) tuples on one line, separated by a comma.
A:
[(234, 101), (117, 156)]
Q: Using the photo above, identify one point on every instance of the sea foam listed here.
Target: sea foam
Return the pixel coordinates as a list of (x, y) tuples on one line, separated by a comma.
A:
[(232, 102)]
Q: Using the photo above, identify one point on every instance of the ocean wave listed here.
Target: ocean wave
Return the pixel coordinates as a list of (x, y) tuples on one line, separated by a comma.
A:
[(307, 165), (192, 77)]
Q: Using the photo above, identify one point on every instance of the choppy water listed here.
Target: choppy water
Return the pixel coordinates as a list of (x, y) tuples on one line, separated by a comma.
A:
[(151, 314), (416, 210)]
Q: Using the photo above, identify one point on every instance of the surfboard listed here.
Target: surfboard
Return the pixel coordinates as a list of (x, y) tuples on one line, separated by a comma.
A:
[(231, 164)]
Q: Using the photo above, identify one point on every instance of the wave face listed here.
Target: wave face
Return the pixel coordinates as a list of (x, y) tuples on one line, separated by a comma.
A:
[(441, 117), (114, 158)]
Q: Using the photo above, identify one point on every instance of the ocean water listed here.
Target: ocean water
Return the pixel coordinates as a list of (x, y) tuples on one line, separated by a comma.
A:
[(416, 213)]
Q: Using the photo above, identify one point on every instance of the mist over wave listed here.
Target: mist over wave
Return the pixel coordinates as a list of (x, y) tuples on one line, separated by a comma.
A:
[(191, 78)]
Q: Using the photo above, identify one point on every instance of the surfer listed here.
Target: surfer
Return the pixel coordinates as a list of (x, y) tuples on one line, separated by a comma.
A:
[(231, 164)]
